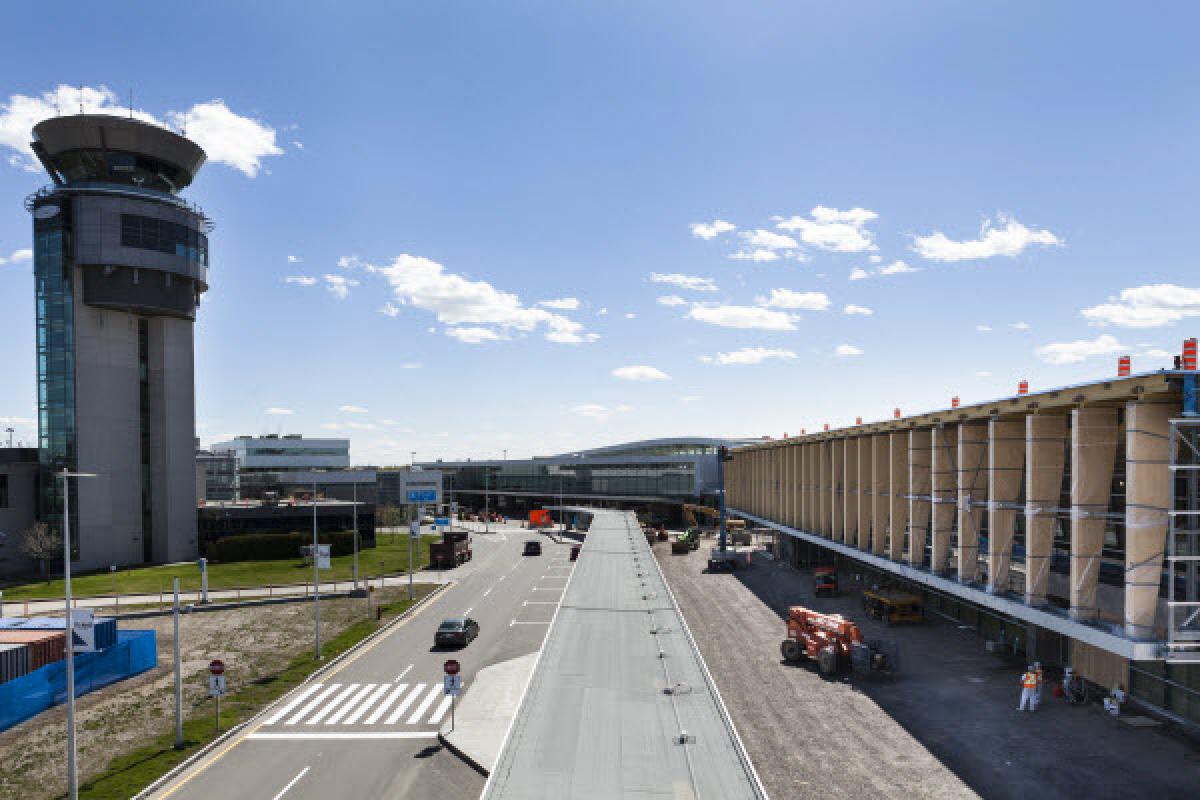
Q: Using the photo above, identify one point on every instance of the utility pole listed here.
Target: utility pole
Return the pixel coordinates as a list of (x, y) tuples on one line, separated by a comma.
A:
[(486, 508), (722, 456), (316, 573), (178, 676), (355, 485), (72, 776)]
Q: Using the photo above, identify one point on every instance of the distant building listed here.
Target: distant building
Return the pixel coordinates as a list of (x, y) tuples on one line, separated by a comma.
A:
[(216, 475), (18, 505), (393, 485), (289, 464), (220, 519)]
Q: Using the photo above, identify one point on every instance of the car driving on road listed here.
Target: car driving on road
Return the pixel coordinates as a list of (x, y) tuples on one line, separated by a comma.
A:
[(533, 548), (456, 631)]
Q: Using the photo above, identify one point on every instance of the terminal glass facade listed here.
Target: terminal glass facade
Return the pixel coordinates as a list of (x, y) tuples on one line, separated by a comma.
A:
[(531, 477)]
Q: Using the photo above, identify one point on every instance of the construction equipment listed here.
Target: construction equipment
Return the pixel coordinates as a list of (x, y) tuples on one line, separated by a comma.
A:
[(891, 605), (686, 541), (719, 560), (540, 518), (690, 510), (835, 643), (825, 581)]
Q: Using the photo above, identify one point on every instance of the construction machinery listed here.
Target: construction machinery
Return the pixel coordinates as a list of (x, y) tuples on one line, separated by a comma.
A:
[(835, 643), (540, 518), (890, 606), (690, 510), (686, 541), (825, 581)]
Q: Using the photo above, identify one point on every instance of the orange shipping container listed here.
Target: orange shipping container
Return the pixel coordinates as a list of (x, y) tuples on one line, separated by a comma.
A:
[(45, 647)]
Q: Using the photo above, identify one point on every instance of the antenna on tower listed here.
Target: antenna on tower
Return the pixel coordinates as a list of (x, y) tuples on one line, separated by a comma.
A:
[(131, 103), (81, 98)]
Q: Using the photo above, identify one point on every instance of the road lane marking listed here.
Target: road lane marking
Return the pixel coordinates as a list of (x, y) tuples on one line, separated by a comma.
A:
[(408, 701), (300, 698), (366, 704), (400, 677), (332, 704), (351, 703), (393, 697), (302, 713), (347, 735), (548, 588), (291, 783), (518, 622), (442, 708), (425, 704), (540, 603)]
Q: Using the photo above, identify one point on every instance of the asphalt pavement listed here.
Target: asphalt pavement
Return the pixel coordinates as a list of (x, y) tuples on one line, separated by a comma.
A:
[(368, 727)]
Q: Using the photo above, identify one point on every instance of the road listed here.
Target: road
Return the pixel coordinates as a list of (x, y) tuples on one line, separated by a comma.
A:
[(368, 727)]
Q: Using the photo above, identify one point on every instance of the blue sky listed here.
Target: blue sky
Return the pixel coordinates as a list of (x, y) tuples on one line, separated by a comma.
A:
[(440, 169)]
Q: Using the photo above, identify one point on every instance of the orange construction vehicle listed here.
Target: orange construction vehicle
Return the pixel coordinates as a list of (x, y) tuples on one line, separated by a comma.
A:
[(539, 518), (835, 643), (825, 581)]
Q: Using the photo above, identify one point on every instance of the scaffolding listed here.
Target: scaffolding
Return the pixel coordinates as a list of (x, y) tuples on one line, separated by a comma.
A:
[(1183, 544)]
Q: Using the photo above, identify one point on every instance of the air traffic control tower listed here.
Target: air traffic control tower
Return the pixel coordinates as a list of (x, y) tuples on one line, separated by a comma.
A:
[(120, 262)]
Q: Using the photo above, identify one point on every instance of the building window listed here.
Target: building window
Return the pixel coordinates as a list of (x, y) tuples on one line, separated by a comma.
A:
[(3, 491), (164, 236)]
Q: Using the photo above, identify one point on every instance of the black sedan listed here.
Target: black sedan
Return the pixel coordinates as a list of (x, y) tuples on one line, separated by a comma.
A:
[(456, 631), (533, 548)]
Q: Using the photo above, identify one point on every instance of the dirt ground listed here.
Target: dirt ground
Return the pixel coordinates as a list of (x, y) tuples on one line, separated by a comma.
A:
[(946, 726), (253, 642)]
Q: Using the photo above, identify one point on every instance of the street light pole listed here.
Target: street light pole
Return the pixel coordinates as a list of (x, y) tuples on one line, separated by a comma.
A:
[(316, 573), (72, 777), (486, 508), (355, 485)]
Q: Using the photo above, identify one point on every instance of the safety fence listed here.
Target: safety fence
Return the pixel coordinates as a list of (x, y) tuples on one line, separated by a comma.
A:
[(29, 695)]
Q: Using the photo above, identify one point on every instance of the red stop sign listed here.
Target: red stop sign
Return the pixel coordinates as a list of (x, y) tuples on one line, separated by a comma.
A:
[(216, 666), (451, 667)]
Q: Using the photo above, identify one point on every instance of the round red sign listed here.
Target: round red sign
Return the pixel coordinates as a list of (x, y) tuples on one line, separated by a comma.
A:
[(451, 667), (216, 666)]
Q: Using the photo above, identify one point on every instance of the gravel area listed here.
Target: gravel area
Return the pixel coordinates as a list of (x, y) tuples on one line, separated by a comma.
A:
[(253, 642)]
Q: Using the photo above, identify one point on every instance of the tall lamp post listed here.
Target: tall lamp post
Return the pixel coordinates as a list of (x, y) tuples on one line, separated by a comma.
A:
[(72, 777), (316, 573)]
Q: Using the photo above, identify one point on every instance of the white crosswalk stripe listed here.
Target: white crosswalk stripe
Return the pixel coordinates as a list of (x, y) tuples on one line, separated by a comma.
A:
[(364, 705)]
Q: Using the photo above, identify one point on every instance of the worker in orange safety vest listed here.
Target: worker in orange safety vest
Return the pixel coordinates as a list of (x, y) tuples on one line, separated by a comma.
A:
[(1029, 684)]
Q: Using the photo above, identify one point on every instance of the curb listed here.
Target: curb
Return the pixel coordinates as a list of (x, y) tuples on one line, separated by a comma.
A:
[(186, 764), (470, 762)]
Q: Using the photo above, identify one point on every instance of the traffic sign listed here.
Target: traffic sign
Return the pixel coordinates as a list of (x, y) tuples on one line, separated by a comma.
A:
[(323, 552), (216, 667), (443, 522), (414, 529), (83, 630), (451, 667), (216, 685), (422, 495), (452, 685)]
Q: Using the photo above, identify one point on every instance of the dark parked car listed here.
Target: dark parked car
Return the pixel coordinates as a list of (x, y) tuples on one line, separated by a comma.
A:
[(533, 548), (457, 630)]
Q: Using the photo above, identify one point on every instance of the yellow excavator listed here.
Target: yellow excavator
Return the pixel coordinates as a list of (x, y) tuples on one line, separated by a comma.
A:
[(732, 526)]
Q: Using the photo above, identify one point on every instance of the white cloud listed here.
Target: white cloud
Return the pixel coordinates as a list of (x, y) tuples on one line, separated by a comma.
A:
[(17, 257), (983, 373), (276, 411), (1155, 352), (671, 300), (859, 274), (630, 315), (875, 259), (804, 301), (856, 309), (768, 240), (297, 145), (457, 301), (301, 280), (749, 355), (598, 412), (759, 256), (227, 138), (711, 230), (473, 335), (389, 309), (339, 285), (831, 229), (411, 365), (1059, 353), (742, 317), (561, 304), (690, 282), (844, 350), (1019, 326), (897, 268), (602, 312), (352, 409), (1149, 306), (294, 259), (1010, 240), (984, 328), (349, 262), (640, 373)]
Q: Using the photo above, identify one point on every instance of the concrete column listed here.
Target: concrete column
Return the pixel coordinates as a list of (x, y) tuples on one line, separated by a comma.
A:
[(1006, 461), (837, 462), (1093, 453), (866, 490), (822, 488), (920, 456), (944, 481), (897, 478), (814, 479), (972, 492), (1045, 456), (801, 476), (879, 492), (778, 495), (850, 493), (1147, 498)]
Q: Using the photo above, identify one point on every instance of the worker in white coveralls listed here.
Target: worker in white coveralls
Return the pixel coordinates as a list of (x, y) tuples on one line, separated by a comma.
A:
[(1029, 684)]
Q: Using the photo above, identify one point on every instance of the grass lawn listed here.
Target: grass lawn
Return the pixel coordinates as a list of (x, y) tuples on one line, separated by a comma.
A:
[(128, 774), (389, 554)]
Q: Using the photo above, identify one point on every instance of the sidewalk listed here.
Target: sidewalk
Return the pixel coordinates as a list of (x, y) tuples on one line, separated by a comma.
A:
[(482, 719)]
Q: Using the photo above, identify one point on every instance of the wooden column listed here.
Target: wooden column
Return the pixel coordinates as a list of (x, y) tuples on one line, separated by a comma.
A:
[(1045, 456), (1006, 462), (1147, 499), (837, 459), (866, 489), (879, 492), (897, 490), (778, 483), (822, 488), (920, 455), (801, 487), (806, 477), (850, 493), (972, 493), (1093, 453), (944, 480)]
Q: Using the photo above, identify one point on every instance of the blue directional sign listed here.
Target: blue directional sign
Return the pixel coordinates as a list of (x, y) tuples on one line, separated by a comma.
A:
[(442, 521), (422, 495)]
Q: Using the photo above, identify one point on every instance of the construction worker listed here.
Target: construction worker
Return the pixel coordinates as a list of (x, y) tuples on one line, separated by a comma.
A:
[(1029, 683), (1037, 697)]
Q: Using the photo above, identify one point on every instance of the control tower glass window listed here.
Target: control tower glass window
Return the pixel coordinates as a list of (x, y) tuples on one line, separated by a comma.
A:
[(164, 236)]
